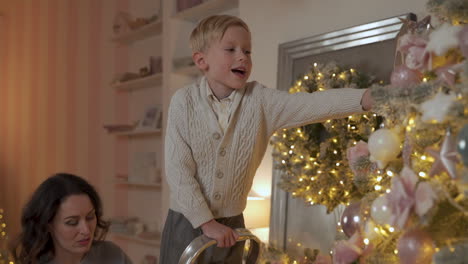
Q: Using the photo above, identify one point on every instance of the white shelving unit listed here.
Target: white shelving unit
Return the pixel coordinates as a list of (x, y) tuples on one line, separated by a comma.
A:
[(139, 133), (192, 71), (209, 7), (121, 181), (136, 47), (145, 82), (139, 184), (152, 29)]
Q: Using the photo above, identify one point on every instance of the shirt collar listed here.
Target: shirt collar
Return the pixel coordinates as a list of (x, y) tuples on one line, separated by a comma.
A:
[(212, 97)]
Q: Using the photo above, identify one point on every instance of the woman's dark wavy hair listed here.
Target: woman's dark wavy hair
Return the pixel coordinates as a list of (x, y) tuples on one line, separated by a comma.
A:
[(35, 241)]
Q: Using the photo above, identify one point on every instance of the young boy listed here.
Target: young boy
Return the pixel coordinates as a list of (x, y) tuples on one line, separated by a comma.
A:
[(217, 133)]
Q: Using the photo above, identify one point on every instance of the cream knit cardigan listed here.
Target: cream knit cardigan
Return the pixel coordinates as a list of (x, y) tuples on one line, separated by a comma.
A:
[(210, 174)]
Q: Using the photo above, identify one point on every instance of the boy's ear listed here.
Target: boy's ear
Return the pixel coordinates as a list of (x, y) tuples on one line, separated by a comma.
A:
[(199, 59)]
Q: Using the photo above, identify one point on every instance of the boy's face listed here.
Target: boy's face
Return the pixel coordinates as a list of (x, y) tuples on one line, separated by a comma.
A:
[(227, 63)]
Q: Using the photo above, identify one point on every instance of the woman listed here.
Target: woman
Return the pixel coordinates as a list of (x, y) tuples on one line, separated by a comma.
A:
[(62, 224)]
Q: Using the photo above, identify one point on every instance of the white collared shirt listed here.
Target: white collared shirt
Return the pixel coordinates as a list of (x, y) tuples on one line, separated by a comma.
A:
[(221, 108)]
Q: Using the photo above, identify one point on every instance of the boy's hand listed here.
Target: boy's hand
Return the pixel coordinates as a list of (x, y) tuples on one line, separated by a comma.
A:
[(224, 236), (367, 101)]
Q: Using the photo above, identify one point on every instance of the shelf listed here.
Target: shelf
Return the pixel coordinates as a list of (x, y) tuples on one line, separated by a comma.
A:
[(137, 132), (153, 243), (206, 8), (188, 70), (139, 184), (146, 31), (144, 82)]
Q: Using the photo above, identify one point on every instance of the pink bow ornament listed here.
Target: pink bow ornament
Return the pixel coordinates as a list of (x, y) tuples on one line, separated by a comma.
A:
[(407, 195), (347, 252)]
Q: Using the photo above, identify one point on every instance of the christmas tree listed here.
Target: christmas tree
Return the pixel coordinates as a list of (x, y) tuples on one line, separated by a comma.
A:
[(404, 177)]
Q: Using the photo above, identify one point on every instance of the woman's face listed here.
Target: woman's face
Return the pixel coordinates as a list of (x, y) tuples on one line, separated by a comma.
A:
[(73, 226)]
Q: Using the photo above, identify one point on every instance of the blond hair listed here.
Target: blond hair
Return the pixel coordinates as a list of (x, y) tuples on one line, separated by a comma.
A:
[(213, 28)]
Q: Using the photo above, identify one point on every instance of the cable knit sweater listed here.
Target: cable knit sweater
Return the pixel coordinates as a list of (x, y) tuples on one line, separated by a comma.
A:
[(210, 173)]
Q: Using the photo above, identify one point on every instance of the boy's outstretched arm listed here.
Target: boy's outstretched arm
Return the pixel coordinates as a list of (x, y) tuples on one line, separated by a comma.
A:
[(224, 235), (367, 101)]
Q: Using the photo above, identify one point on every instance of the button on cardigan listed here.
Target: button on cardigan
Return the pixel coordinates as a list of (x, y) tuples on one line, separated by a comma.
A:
[(210, 177)]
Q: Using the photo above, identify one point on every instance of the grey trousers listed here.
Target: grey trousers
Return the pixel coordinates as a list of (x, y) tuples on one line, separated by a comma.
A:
[(178, 233)]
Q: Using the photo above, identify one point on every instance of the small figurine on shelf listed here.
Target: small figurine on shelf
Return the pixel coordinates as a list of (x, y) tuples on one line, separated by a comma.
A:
[(138, 23), (121, 23)]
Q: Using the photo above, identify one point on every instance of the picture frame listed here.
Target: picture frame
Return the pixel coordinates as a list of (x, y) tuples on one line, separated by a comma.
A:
[(151, 118)]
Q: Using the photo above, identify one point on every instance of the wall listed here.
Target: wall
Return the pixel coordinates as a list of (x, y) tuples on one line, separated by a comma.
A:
[(56, 62)]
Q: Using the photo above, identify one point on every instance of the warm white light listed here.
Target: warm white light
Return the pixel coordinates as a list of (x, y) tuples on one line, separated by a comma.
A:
[(257, 212), (366, 241)]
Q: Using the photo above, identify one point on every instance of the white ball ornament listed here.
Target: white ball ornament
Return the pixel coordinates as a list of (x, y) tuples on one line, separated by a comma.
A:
[(384, 146), (380, 212)]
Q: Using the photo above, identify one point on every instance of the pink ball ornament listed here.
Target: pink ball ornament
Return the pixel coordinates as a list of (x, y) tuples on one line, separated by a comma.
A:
[(415, 247), (351, 219), (403, 76), (463, 41)]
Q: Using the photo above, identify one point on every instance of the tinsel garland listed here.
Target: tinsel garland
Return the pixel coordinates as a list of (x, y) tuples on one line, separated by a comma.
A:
[(312, 159)]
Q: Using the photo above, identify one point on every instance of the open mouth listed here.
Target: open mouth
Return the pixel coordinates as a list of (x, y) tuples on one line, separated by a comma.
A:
[(241, 72)]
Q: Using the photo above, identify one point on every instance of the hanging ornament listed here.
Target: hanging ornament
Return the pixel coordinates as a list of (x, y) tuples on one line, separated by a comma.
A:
[(384, 146), (435, 109), (402, 76), (445, 159), (462, 144), (415, 247), (351, 218), (380, 212)]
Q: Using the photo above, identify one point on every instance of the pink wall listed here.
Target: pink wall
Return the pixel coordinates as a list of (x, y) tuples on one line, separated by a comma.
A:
[(56, 62)]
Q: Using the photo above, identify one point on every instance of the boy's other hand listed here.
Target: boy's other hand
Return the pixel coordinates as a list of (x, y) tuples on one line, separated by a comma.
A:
[(224, 235)]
